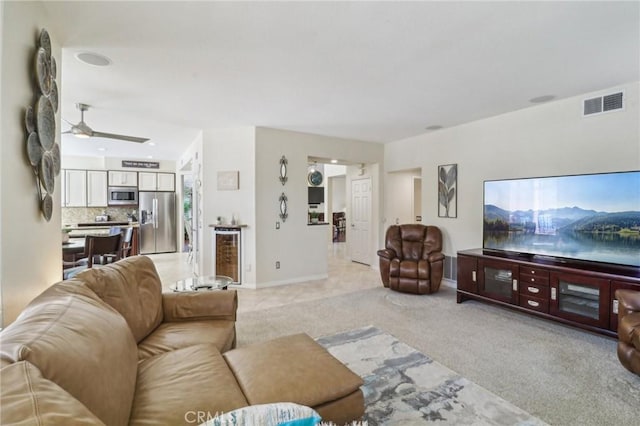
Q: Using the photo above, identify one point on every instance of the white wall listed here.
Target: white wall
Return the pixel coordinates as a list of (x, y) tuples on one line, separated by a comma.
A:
[(399, 197), (30, 253), (338, 193), (228, 150), (301, 249), (550, 139)]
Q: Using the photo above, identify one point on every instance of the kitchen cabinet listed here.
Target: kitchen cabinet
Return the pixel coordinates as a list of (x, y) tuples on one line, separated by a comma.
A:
[(123, 178), (96, 188), (74, 188), (151, 181)]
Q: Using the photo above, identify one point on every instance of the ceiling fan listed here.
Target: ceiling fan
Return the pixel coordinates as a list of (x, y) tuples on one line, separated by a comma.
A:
[(82, 130)]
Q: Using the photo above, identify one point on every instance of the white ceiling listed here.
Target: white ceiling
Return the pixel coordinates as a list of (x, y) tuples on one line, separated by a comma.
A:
[(374, 71)]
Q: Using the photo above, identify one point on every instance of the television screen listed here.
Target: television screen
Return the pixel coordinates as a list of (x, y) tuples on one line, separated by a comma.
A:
[(316, 194), (592, 217)]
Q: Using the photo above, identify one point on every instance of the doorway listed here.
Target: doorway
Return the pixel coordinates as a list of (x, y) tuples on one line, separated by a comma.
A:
[(360, 229)]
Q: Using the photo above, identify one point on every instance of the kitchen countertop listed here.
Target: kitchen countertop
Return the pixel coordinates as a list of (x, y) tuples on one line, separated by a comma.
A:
[(80, 230), (99, 225)]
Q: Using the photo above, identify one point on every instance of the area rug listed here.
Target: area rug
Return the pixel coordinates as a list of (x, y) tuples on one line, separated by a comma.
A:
[(405, 387)]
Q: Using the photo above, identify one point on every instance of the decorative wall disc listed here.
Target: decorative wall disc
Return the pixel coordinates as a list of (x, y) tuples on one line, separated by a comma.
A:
[(47, 207), (29, 120), (45, 41), (43, 71), (54, 68), (53, 96), (47, 172), (55, 155), (45, 122), (34, 149)]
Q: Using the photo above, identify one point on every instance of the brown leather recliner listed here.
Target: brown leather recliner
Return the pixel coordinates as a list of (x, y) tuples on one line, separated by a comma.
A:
[(629, 329), (412, 261)]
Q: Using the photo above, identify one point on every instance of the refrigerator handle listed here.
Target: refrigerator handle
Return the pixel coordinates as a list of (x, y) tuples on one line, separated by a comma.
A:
[(155, 213)]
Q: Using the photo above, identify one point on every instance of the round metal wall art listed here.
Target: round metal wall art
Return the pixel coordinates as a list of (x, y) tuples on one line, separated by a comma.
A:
[(43, 152)]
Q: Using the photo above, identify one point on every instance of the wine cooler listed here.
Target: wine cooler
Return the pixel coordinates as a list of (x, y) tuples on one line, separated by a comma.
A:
[(227, 248)]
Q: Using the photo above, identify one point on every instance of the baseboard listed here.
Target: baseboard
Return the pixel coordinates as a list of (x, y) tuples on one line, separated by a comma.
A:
[(449, 283), (292, 281)]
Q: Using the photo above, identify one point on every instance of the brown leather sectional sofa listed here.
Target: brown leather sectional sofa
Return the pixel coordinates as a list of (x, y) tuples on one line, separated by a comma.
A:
[(109, 348)]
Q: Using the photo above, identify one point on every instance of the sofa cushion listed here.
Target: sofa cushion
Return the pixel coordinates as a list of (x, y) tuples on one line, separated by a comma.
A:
[(81, 344), (176, 335), (180, 386), (29, 398), (133, 288), (292, 368)]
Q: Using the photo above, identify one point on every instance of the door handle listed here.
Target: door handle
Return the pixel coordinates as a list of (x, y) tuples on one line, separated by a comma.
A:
[(155, 213)]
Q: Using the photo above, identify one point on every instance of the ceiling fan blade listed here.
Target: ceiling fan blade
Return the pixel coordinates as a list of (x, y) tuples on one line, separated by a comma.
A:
[(120, 137)]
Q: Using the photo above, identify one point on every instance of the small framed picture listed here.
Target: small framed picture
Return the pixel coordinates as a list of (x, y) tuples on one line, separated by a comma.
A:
[(228, 181), (448, 190)]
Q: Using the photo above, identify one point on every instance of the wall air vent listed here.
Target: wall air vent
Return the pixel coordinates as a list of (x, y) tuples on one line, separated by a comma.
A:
[(602, 104)]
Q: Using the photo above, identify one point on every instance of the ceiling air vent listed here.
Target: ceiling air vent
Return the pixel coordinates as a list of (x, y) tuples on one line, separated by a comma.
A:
[(602, 104)]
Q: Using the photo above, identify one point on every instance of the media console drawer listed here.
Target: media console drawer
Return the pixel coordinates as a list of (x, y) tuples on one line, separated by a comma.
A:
[(534, 303), (534, 290), (534, 275)]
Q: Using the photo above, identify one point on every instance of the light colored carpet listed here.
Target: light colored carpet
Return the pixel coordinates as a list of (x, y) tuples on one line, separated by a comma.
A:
[(562, 375), (404, 386)]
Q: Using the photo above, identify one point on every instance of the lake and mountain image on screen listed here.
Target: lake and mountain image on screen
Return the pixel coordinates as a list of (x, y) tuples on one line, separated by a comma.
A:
[(586, 217)]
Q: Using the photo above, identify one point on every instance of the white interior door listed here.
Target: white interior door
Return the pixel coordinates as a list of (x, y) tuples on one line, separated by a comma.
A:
[(361, 220)]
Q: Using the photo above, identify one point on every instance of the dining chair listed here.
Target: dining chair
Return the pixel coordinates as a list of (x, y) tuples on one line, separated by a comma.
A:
[(125, 249), (99, 250)]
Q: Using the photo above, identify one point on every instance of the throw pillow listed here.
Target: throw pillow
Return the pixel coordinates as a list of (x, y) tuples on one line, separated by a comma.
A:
[(278, 414)]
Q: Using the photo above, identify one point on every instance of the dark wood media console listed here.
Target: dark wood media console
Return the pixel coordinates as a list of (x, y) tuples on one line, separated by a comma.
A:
[(572, 292)]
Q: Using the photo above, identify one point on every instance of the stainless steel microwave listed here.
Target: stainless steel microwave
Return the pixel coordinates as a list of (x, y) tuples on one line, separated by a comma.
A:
[(122, 196)]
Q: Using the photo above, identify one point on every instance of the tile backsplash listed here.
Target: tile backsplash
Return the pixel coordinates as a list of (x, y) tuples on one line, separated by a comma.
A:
[(74, 215)]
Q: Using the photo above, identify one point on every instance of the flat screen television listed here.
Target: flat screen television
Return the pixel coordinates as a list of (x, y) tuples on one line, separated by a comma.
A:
[(593, 217), (316, 194)]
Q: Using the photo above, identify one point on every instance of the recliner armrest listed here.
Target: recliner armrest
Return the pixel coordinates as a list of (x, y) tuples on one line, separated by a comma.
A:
[(435, 257), (204, 305), (387, 254), (629, 301)]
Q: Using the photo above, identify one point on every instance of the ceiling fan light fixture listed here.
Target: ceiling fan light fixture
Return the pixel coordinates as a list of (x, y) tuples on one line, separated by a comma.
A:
[(93, 58)]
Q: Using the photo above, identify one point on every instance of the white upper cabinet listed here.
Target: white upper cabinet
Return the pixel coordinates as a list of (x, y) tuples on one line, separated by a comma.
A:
[(166, 182), (147, 181), (151, 181), (96, 188), (74, 188), (123, 178)]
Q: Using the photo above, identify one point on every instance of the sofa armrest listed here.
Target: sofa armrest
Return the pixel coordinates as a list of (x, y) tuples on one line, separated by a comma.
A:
[(629, 301), (387, 254), (204, 305)]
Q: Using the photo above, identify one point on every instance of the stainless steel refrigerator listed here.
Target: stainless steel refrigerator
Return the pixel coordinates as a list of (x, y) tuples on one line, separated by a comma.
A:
[(157, 222)]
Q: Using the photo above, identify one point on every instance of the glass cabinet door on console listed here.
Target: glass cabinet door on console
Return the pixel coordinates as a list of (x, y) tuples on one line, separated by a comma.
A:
[(580, 298), (498, 280)]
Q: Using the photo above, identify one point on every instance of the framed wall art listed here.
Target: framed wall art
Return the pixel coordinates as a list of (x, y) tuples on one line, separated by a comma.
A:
[(228, 181), (448, 190)]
